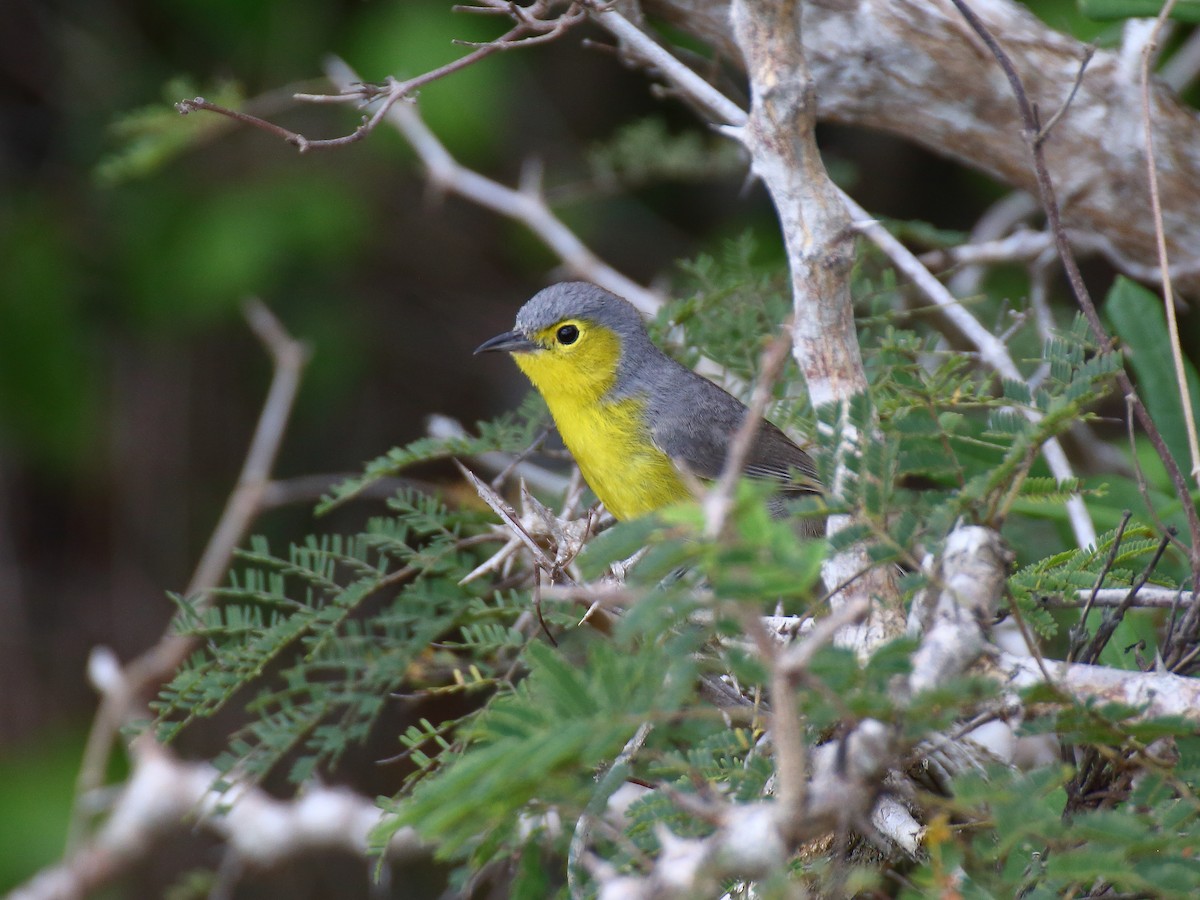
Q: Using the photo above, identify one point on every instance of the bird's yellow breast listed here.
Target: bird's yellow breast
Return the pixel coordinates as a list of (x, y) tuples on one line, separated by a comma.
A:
[(609, 439), (612, 446)]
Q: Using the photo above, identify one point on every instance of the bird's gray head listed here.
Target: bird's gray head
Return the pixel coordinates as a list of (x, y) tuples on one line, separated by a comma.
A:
[(579, 300), (575, 334)]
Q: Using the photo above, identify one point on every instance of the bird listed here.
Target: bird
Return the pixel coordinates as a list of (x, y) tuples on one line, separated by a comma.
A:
[(634, 419)]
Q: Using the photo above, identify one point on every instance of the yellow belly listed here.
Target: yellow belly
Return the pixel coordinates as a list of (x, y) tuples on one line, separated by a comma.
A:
[(619, 461)]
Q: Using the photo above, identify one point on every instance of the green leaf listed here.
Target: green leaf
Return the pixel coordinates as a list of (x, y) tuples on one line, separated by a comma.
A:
[(1107, 10), (541, 742), (1138, 319)]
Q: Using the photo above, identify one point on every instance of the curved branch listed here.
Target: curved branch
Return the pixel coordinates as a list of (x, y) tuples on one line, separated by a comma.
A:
[(163, 791), (913, 68), (155, 665), (524, 204)]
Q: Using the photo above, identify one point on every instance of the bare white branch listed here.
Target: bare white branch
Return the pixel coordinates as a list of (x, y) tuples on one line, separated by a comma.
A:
[(855, 51), (117, 706), (959, 604), (1155, 693), (525, 206), (164, 793)]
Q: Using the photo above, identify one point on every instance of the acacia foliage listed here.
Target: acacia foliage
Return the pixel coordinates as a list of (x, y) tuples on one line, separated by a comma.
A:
[(333, 636)]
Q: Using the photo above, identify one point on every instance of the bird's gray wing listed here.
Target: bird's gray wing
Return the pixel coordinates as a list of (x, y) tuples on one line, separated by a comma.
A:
[(695, 422), (774, 455)]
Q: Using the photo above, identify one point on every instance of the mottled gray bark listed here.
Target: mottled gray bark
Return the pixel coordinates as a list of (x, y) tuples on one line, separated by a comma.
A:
[(914, 69)]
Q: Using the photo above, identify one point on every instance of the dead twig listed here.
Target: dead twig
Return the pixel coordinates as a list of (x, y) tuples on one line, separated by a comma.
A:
[(1079, 634), (1066, 104), (1105, 632), (531, 28), (719, 500), (509, 517), (522, 204)]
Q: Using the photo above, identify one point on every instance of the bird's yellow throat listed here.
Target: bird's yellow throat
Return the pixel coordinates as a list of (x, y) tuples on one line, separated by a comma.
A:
[(609, 438)]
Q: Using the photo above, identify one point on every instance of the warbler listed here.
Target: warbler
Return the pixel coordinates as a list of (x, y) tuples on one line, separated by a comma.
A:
[(631, 416)]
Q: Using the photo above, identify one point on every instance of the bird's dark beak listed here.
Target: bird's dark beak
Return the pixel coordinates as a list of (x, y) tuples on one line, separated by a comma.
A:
[(512, 341)]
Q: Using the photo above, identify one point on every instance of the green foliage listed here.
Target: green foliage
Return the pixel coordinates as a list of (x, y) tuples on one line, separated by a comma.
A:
[(1066, 573), (151, 137), (1104, 10), (729, 308), (314, 643), (1138, 320), (969, 442), (645, 152), (1023, 845), (323, 635), (503, 741), (466, 111), (758, 555), (924, 233), (536, 746)]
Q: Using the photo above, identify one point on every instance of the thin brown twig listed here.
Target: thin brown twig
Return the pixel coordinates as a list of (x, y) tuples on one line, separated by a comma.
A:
[(1079, 633), (519, 204), (787, 726), (537, 609), (1140, 476), (719, 499), (1088, 53), (518, 458), (199, 103), (1179, 652), (1173, 618), (530, 28), (1027, 635), (1105, 631), (553, 31), (289, 356), (1181, 665)]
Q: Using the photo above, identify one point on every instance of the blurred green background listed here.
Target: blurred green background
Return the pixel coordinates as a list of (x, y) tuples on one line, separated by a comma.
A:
[(129, 383)]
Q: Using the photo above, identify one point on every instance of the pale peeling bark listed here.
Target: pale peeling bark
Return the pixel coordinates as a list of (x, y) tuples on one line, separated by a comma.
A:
[(913, 68), (958, 606), (817, 234), (1153, 694), (812, 217)]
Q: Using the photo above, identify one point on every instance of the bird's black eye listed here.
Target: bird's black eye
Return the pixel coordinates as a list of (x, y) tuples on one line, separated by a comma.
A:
[(567, 334)]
